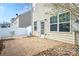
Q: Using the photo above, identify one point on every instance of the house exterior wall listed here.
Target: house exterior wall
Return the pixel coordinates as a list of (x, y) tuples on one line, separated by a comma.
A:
[(39, 14), (15, 23), (25, 19)]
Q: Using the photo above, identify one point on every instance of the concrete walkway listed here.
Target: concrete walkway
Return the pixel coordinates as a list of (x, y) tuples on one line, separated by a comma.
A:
[(27, 46)]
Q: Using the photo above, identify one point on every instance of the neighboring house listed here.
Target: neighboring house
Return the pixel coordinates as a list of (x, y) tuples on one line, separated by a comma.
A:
[(5, 25), (52, 23), (15, 22), (22, 21)]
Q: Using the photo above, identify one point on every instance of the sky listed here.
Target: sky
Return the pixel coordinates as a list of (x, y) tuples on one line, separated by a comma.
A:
[(9, 10)]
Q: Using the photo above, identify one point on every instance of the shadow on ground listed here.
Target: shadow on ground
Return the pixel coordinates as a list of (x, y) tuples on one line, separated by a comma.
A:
[(2, 46)]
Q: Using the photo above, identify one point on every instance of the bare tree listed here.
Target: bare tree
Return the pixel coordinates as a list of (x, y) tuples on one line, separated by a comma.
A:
[(72, 7)]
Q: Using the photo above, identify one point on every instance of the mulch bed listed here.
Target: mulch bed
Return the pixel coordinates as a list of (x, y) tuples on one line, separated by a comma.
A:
[(60, 50)]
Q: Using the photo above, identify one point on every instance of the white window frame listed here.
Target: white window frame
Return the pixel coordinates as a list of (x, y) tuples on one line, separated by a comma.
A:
[(61, 22), (65, 22), (53, 24)]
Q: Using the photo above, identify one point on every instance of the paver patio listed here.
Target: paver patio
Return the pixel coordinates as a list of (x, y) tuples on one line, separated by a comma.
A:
[(27, 46)]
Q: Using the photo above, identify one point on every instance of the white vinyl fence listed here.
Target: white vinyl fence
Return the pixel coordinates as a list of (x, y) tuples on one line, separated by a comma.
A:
[(15, 32)]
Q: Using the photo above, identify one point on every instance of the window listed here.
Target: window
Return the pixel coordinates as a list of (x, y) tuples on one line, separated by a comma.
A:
[(53, 19), (53, 27), (53, 23), (64, 27), (35, 26), (64, 17), (64, 22), (67, 16)]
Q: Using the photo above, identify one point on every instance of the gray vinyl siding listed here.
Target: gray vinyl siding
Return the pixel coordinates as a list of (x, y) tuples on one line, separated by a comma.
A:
[(25, 19)]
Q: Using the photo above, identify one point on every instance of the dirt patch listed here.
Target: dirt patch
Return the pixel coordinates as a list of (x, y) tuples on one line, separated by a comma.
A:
[(27, 46), (60, 50), (34, 46)]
